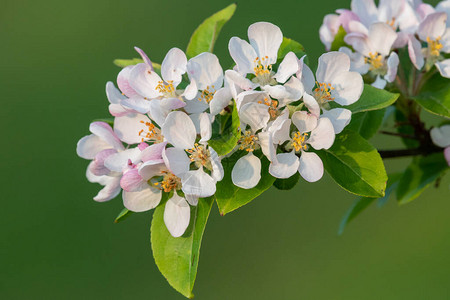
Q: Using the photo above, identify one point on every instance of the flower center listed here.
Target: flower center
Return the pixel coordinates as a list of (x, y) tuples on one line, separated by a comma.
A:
[(375, 60), (207, 94), (272, 104), (248, 142), (434, 46), (263, 71), (322, 93), (299, 141), (392, 23), (168, 90), (151, 133), (170, 182), (201, 156)]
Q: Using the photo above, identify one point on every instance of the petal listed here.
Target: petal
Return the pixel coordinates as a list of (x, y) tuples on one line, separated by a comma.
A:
[(392, 64), (254, 114), (441, 136), (332, 64), (191, 91), (206, 71), (144, 81), (113, 94), (295, 89), (97, 167), (266, 39), (176, 215), (137, 104), (357, 62), (365, 10), (205, 127), (415, 52), (132, 181), (328, 30), (305, 75), (142, 200), (246, 172), (286, 166), (339, 117), (198, 183), (287, 68), (90, 145), (129, 127), (243, 55), (348, 88), (322, 137), (444, 68), (220, 100), (311, 166), (382, 37), (379, 83), (144, 56), (110, 190), (117, 110), (263, 138), (356, 26), (153, 152), (359, 42), (193, 200), (119, 162), (311, 104), (152, 168), (217, 169), (239, 80), (174, 66), (123, 81), (196, 106), (179, 130), (433, 26), (250, 97), (176, 160), (280, 131), (447, 155), (303, 121), (105, 132)]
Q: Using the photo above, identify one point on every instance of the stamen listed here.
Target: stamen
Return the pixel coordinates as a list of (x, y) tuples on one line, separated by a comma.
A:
[(299, 141), (168, 90), (392, 23), (151, 133), (248, 142), (170, 182), (261, 68), (375, 60), (201, 156), (273, 107), (323, 92), (207, 94), (434, 46)]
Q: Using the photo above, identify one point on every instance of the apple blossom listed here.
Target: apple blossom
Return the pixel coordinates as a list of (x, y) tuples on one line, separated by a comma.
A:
[(441, 138)]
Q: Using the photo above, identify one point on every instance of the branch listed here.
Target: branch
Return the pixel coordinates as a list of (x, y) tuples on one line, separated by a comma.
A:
[(406, 136), (409, 152)]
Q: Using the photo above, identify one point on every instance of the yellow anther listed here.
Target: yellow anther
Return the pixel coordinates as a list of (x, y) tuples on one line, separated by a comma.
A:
[(434, 46), (392, 23), (207, 94), (299, 141), (201, 156), (375, 60), (262, 69), (322, 92), (151, 133), (248, 142), (168, 90), (273, 107), (170, 182)]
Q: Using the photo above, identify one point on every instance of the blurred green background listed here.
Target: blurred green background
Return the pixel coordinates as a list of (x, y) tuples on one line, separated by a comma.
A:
[(57, 243)]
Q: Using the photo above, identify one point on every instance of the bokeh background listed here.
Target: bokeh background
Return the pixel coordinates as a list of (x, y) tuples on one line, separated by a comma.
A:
[(57, 243)]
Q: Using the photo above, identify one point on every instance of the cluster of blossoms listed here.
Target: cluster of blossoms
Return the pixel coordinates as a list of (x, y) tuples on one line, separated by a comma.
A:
[(376, 34), (163, 123)]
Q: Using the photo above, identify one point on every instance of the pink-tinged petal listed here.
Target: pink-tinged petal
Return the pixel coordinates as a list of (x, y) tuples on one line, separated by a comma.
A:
[(220, 100), (433, 26), (144, 57), (444, 68), (345, 17), (389, 10), (177, 214), (152, 168), (142, 146), (113, 94), (322, 137), (392, 64), (206, 71), (303, 121), (266, 39), (246, 172), (365, 10), (129, 128), (415, 52), (144, 81), (176, 160), (254, 114), (136, 104), (401, 41), (98, 166), (285, 166), (153, 152), (356, 26), (110, 190), (382, 37), (243, 55), (287, 68), (205, 127), (359, 42), (174, 66), (179, 130), (348, 88), (332, 64), (339, 117), (305, 75), (117, 110), (217, 168), (160, 108), (131, 181), (123, 81), (311, 166), (119, 162), (379, 83), (105, 132), (193, 200), (447, 155), (329, 29), (142, 200), (90, 145), (441, 136), (198, 183)]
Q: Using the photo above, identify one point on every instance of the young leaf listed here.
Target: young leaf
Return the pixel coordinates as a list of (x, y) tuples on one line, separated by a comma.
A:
[(361, 203), (205, 36), (367, 123), (435, 96), (355, 165), (134, 61), (289, 45), (177, 258), (125, 213), (372, 99), (288, 183), (339, 40), (419, 175), (227, 134), (230, 197)]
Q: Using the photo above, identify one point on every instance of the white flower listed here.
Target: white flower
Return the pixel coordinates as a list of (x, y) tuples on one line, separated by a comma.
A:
[(441, 138)]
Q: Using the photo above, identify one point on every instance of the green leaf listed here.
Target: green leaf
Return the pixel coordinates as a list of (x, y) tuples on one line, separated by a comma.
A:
[(372, 99), (361, 203), (419, 175), (435, 96), (355, 165), (339, 40), (367, 123), (205, 36), (125, 213), (405, 128), (177, 258), (289, 45), (226, 132), (230, 197), (288, 183)]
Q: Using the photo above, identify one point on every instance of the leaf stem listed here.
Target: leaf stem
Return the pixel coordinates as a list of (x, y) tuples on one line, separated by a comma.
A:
[(406, 136), (409, 152)]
